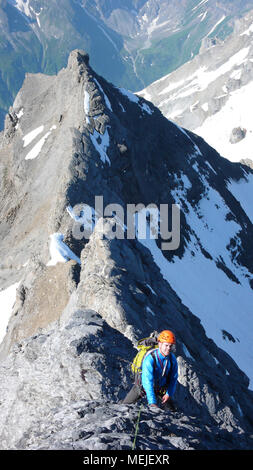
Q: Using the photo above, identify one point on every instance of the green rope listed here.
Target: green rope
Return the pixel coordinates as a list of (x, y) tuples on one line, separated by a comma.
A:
[(137, 428)]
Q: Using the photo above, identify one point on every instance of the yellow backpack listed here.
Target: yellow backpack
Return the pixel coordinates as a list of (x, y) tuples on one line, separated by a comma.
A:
[(144, 346)]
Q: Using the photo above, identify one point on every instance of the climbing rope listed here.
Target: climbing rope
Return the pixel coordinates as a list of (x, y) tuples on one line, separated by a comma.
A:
[(137, 428)]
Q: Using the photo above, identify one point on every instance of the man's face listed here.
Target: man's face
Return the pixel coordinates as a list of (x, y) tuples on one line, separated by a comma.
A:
[(165, 348)]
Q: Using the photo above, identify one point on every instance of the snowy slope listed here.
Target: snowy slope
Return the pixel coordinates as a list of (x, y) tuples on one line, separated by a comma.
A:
[(223, 306), (212, 94), (236, 113)]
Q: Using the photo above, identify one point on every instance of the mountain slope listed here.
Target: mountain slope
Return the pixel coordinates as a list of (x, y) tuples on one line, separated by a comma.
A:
[(211, 94), (131, 43), (89, 288)]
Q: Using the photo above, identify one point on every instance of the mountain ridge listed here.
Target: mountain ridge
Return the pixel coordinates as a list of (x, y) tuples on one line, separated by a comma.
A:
[(130, 43), (65, 359)]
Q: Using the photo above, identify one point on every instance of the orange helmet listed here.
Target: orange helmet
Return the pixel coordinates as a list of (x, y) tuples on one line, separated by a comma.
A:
[(166, 336)]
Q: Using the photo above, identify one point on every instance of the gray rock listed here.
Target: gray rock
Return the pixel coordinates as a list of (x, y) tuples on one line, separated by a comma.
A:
[(237, 135)]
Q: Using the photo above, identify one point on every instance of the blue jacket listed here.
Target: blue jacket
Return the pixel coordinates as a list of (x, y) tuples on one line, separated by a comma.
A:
[(153, 379)]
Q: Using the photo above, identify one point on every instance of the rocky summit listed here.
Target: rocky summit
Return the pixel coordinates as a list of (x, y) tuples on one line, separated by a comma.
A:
[(81, 282)]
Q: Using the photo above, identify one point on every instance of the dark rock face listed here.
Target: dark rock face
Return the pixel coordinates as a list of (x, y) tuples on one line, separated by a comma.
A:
[(74, 137)]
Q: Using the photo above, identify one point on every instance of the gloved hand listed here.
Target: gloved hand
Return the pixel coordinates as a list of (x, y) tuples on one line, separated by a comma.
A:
[(165, 398)]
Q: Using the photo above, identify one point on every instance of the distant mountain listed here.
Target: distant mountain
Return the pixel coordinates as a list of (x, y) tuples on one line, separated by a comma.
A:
[(131, 42), (82, 279), (212, 94)]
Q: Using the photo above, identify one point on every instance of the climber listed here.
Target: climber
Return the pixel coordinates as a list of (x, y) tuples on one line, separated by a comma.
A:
[(159, 374)]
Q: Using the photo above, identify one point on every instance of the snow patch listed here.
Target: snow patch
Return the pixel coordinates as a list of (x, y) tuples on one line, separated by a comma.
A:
[(202, 78), (107, 102), (150, 311), (7, 300), (152, 290), (217, 24), (20, 113), (199, 4), (248, 31), (38, 147), (59, 251), (86, 105), (136, 99), (146, 108), (101, 143), (242, 190), (131, 96), (187, 353), (23, 6), (236, 112), (28, 138)]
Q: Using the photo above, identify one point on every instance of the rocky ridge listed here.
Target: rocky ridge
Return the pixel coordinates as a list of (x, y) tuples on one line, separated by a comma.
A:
[(65, 360)]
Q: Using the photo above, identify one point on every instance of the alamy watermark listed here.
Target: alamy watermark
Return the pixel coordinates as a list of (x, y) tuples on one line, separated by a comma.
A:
[(134, 221)]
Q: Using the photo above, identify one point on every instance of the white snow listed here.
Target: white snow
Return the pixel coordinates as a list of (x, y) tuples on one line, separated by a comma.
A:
[(237, 112), (23, 6), (236, 74), (199, 4), (248, 31), (152, 290), (136, 99), (217, 24), (7, 300), (187, 353), (146, 108), (86, 105), (194, 105), (107, 102), (101, 143), (207, 291), (202, 78), (28, 138), (59, 251), (20, 113), (242, 191), (38, 20), (37, 148), (150, 311), (122, 107), (204, 16), (131, 96)]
